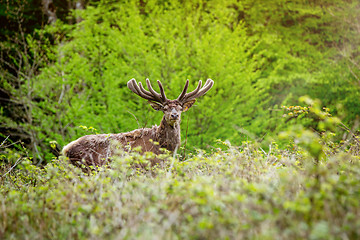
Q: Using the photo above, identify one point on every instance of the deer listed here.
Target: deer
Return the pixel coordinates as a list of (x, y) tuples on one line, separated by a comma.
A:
[(96, 150)]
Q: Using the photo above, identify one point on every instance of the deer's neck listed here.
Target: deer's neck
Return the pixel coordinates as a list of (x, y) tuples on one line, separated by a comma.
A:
[(169, 136)]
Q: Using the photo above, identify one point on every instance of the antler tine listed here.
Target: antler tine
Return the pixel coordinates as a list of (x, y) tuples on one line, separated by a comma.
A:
[(162, 91), (199, 92), (144, 91), (154, 93), (190, 94), (133, 86), (182, 94), (208, 85)]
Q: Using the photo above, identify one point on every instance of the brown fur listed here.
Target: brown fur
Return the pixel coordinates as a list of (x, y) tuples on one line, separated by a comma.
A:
[(95, 150)]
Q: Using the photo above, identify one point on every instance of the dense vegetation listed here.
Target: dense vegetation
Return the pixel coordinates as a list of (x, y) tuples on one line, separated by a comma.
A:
[(272, 151), (261, 56), (308, 190)]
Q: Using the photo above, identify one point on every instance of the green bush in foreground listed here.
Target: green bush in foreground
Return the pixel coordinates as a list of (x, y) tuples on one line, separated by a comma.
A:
[(237, 193), (308, 189)]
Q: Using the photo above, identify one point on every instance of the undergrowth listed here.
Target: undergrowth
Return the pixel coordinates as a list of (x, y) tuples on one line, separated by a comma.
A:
[(238, 193), (306, 189)]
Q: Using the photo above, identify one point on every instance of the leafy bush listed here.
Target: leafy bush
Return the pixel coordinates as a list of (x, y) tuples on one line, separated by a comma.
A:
[(239, 192)]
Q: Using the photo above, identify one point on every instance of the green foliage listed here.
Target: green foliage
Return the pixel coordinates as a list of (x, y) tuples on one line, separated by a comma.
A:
[(261, 55), (175, 42), (67, 80), (239, 192)]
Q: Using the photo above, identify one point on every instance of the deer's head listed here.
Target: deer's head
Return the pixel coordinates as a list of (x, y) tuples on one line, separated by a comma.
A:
[(172, 109)]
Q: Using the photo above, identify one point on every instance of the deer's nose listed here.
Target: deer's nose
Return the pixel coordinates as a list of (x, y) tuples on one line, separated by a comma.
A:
[(174, 115)]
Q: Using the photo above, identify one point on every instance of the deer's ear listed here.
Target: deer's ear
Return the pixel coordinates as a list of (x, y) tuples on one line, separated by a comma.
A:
[(188, 105), (156, 106)]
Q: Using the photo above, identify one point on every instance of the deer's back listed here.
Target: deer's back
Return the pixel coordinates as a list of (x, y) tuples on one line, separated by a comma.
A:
[(95, 150)]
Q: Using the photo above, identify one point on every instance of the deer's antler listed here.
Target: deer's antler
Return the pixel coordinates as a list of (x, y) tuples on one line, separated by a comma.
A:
[(198, 92), (152, 95)]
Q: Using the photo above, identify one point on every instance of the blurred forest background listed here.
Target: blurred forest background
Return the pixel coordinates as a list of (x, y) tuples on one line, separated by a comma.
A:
[(65, 64)]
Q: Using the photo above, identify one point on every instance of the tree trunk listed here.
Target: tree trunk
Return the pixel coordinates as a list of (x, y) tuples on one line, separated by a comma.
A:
[(49, 10)]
